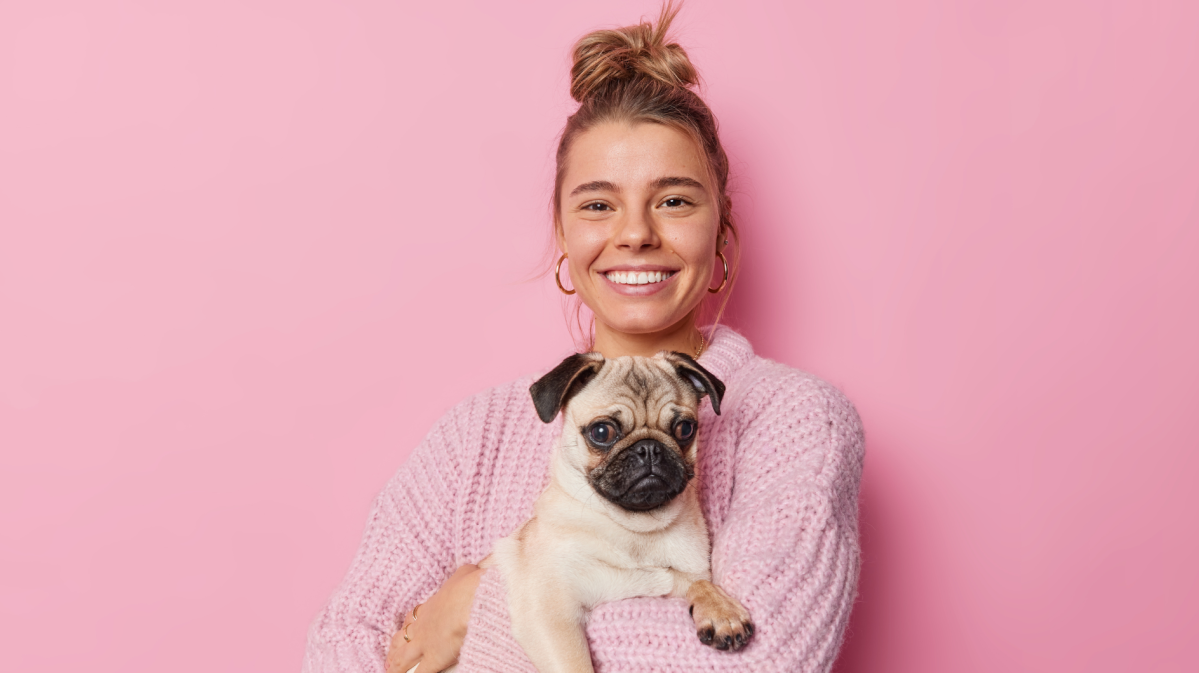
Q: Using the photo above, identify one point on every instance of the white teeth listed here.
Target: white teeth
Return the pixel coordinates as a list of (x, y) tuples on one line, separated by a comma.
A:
[(638, 277)]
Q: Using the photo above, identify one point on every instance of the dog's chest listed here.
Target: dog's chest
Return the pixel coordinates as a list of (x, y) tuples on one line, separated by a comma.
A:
[(617, 573), (641, 551)]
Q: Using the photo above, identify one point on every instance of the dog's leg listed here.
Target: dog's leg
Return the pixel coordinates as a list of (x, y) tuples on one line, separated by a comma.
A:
[(720, 620), (547, 621), (546, 612)]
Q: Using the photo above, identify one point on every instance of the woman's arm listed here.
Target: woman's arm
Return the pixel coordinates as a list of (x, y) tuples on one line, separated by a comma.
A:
[(786, 546), (405, 555)]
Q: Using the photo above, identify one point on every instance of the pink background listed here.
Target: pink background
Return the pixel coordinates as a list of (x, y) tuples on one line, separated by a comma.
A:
[(249, 251)]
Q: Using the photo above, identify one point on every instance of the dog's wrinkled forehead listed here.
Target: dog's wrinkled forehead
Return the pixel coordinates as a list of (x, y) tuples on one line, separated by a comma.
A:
[(643, 383), (637, 389)]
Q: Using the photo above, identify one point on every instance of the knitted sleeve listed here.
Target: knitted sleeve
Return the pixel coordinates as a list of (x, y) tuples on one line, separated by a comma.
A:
[(786, 545), (397, 564)]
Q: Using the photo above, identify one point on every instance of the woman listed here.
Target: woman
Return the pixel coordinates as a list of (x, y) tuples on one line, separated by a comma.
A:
[(643, 217)]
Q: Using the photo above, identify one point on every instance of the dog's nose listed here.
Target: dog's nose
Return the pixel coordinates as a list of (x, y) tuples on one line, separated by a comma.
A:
[(648, 451)]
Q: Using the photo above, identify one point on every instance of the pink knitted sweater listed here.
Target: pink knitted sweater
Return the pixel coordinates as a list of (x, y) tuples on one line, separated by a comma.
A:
[(778, 472)]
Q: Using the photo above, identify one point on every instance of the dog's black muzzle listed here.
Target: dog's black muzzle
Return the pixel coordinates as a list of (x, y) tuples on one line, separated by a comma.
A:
[(642, 477)]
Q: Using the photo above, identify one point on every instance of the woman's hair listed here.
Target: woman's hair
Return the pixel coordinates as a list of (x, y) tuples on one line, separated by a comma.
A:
[(633, 74)]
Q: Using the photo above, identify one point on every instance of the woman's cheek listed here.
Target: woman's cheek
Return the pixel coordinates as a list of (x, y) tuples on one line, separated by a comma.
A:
[(584, 250), (699, 253), (582, 257)]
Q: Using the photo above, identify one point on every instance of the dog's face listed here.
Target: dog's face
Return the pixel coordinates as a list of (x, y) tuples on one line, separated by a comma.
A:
[(631, 423)]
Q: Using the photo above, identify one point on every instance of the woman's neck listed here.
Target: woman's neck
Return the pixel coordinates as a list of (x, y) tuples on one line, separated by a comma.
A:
[(681, 336)]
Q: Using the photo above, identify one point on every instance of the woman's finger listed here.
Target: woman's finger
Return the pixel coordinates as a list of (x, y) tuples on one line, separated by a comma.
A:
[(402, 659), (403, 655), (432, 663)]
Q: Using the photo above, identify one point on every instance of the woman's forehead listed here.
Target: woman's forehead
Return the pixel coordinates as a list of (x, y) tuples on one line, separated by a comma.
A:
[(621, 156)]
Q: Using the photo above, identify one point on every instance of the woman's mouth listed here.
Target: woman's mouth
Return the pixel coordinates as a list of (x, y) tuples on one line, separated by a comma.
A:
[(638, 277)]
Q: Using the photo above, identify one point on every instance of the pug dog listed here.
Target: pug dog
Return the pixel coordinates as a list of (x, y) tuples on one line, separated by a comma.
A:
[(621, 514)]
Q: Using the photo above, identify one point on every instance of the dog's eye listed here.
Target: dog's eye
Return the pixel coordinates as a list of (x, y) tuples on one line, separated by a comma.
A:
[(601, 433), (683, 430)]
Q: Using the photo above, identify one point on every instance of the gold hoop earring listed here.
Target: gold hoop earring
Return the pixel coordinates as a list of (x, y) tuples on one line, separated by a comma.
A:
[(558, 275), (725, 262)]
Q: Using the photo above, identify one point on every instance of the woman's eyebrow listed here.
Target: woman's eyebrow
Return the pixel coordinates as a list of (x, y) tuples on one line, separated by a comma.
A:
[(595, 186), (676, 182), (660, 183)]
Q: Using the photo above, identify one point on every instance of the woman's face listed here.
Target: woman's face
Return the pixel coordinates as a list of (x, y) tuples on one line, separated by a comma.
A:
[(639, 223)]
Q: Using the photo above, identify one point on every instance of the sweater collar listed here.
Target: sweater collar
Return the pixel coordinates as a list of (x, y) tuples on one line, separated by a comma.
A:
[(726, 352)]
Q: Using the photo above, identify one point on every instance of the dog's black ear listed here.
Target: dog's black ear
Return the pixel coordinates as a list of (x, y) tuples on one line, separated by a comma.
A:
[(703, 380), (552, 391)]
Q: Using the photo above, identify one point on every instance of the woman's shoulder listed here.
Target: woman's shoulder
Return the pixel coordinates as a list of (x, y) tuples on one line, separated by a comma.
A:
[(764, 395), (760, 383), (500, 419), (774, 383), (796, 424), (797, 407), (508, 396)]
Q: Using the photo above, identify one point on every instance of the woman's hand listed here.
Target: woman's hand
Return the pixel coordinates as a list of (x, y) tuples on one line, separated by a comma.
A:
[(439, 628)]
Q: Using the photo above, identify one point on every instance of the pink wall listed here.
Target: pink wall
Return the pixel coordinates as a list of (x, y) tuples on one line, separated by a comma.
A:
[(249, 251)]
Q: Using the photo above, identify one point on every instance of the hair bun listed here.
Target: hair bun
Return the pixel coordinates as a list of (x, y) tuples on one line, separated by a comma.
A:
[(606, 57)]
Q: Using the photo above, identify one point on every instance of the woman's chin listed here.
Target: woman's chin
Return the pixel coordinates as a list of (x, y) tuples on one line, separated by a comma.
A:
[(639, 319)]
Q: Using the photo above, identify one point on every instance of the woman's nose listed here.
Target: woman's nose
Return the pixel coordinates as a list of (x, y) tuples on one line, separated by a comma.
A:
[(637, 232)]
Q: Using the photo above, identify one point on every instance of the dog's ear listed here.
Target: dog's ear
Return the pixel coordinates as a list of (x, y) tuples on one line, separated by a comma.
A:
[(694, 373), (552, 391)]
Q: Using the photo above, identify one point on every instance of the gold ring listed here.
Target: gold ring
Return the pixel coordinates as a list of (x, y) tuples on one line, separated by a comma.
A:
[(415, 609), (407, 638)]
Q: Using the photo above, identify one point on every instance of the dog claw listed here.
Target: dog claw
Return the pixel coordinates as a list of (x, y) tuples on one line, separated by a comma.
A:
[(721, 622)]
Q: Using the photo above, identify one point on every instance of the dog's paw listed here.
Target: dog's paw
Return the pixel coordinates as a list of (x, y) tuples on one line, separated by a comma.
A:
[(720, 621)]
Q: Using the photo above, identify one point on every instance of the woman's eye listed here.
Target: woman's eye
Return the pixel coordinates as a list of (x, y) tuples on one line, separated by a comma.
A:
[(602, 433), (597, 207), (683, 430), (674, 202)]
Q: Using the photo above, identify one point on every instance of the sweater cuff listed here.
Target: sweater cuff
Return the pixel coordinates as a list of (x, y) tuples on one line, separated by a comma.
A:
[(489, 646)]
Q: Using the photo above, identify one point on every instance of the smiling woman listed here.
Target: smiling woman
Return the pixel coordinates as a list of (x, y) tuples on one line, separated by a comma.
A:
[(640, 228), (642, 213), (641, 159)]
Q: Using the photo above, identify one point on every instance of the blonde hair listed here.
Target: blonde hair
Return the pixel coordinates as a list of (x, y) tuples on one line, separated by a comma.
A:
[(633, 74)]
